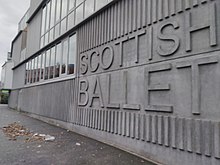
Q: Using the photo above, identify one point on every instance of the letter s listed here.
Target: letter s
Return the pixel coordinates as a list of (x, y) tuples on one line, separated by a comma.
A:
[(168, 37)]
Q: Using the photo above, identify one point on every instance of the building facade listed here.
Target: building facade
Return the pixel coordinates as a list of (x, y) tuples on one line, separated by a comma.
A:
[(142, 75)]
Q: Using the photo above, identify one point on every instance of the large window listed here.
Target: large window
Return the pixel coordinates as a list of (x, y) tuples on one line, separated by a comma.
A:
[(42, 65), (52, 62), (72, 54), (47, 64), (57, 61), (58, 16), (64, 56), (26, 73)]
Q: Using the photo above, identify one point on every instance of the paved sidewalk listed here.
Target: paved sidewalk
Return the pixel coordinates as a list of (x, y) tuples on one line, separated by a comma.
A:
[(63, 151)]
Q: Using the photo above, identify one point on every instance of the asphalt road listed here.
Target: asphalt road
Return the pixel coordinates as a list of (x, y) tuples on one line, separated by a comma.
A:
[(63, 151)]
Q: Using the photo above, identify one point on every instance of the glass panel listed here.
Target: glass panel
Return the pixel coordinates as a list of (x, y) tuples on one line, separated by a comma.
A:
[(57, 30), (100, 3), (46, 38), (72, 54), (71, 4), (43, 20), (47, 64), (32, 71), (39, 68), (64, 56), (48, 17), (89, 7), (71, 20), (79, 14), (52, 15), (30, 63), (52, 62), (63, 26), (26, 73), (78, 2), (51, 35), (58, 59), (42, 65), (64, 8), (58, 10), (42, 42)]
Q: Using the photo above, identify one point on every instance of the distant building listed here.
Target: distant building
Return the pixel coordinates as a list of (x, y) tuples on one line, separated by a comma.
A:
[(6, 79), (143, 75), (7, 74)]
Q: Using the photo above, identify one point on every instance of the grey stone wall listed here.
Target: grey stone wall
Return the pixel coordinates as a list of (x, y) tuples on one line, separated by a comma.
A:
[(149, 75)]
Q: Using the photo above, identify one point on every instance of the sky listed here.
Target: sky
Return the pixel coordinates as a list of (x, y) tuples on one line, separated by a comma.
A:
[(11, 12)]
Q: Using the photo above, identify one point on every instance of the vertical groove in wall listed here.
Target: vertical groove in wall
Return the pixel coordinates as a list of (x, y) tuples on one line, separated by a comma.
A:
[(148, 128), (132, 125), (189, 135), (180, 133), (207, 136), (154, 129), (173, 132), (198, 137), (217, 139), (128, 117), (160, 130), (166, 127)]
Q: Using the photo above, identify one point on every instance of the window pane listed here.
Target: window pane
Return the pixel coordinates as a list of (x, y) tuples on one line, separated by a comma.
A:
[(72, 54), (42, 42), (30, 62), (42, 65), (63, 26), (26, 73), (64, 56), (47, 64), (32, 71), (43, 21), (79, 14), (46, 38), (51, 35), (52, 62), (58, 10), (39, 68), (100, 3), (71, 18), (89, 7), (58, 59), (35, 69), (78, 2), (57, 30), (64, 8), (71, 4), (52, 15), (48, 17)]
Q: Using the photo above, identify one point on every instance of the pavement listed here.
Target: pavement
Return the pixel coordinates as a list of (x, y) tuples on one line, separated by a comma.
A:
[(68, 148)]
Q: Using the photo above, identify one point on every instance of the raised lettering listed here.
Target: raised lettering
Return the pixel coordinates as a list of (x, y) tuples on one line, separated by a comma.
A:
[(83, 92), (97, 93), (168, 37)]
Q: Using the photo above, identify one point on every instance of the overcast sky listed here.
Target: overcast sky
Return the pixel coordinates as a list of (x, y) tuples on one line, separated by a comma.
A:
[(11, 12)]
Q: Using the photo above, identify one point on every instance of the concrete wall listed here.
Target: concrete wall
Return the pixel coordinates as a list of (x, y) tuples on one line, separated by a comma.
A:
[(18, 77), (16, 51), (13, 99), (147, 80), (33, 35), (54, 100)]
